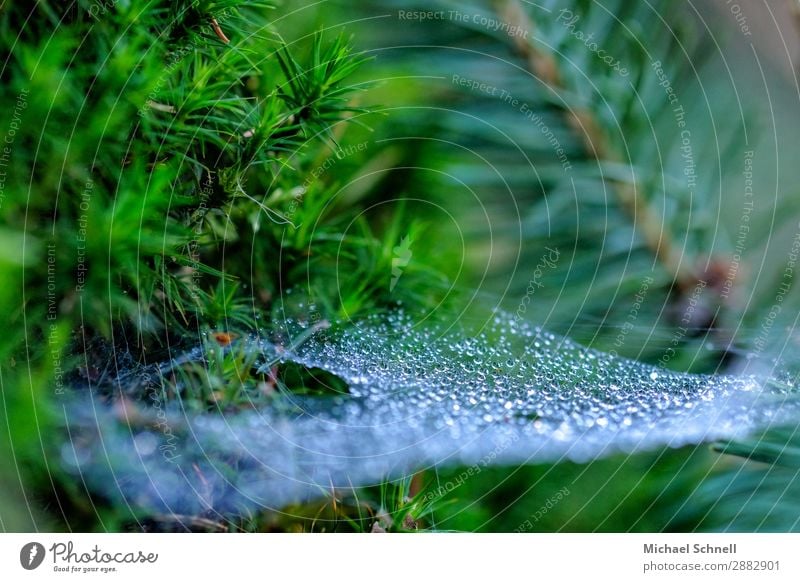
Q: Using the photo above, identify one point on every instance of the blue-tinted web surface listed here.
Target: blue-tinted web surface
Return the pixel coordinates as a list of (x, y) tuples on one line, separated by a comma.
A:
[(420, 395)]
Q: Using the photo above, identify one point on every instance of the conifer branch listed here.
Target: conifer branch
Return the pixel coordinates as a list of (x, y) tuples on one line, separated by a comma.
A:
[(646, 220)]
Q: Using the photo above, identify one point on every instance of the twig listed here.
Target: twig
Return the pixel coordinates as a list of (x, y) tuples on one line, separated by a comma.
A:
[(160, 106), (218, 31)]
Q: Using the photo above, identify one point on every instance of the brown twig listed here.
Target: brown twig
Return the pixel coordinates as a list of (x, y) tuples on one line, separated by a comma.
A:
[(218, 31)]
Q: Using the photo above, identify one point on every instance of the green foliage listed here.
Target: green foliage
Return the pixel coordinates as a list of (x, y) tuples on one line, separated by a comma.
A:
[(182, 173), (223, 380), (755, 487), (225, 308), (397, 506), (163, 184), (316, 93)]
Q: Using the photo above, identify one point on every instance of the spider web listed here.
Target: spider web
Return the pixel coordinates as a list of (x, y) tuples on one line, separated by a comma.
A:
[(420, 395)]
